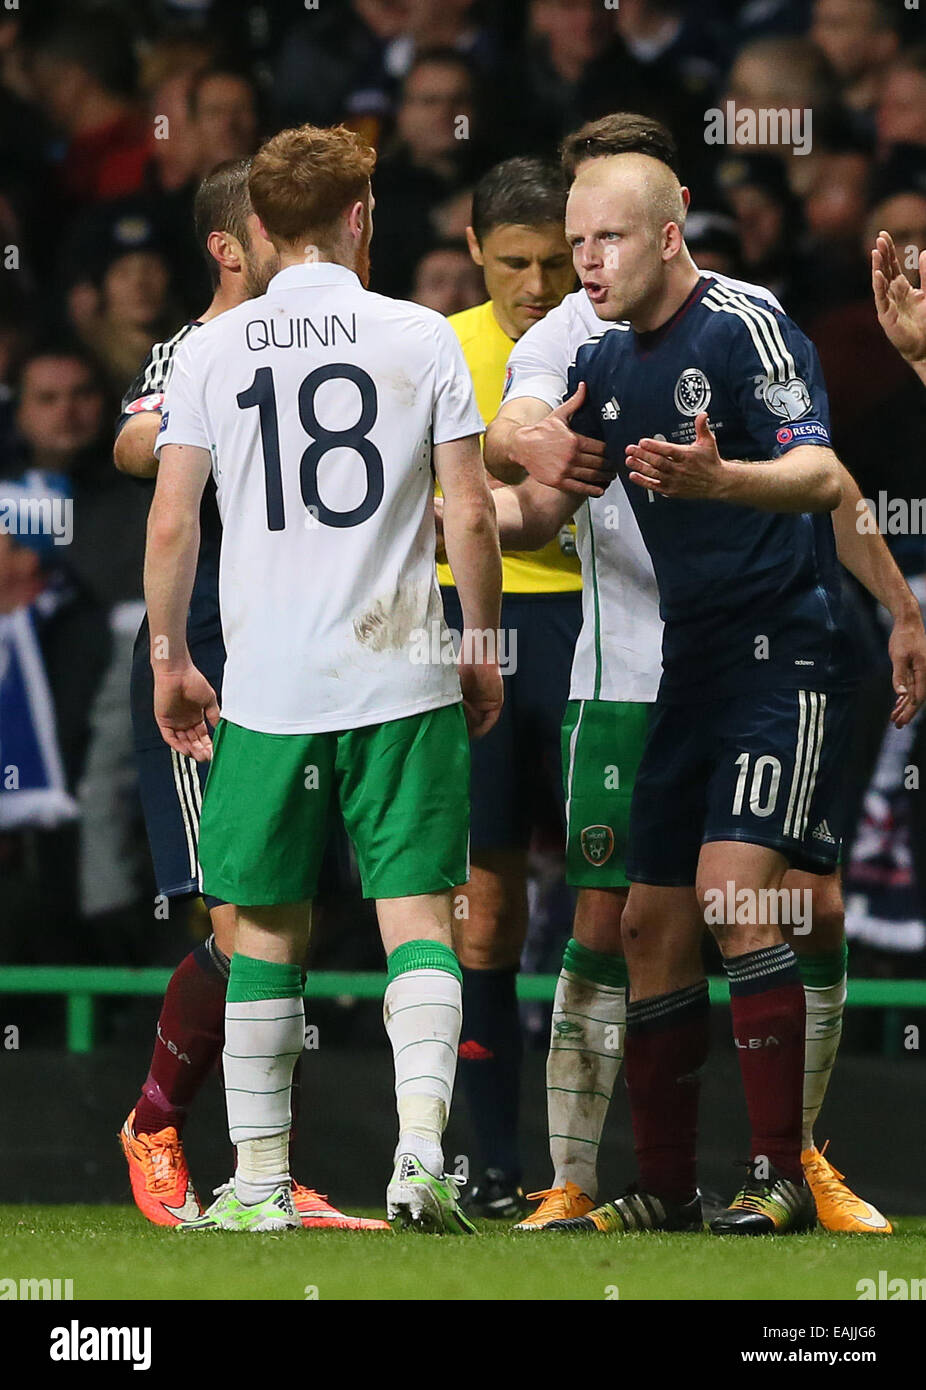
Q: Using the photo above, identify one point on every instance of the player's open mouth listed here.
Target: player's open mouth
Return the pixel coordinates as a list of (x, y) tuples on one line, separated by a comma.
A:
[(596, 293)]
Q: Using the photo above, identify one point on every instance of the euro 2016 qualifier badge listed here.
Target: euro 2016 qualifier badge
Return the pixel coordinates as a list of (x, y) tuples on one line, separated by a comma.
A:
[(692, 392), (597, 844)]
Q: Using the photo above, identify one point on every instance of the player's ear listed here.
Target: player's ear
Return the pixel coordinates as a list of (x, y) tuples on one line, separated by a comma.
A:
[(356, 219), (686, 196), (672, 240), (475, 250), (226, 249)]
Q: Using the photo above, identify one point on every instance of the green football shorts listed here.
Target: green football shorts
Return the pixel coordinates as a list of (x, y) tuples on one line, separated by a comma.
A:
[(602, 745), (403, 788)]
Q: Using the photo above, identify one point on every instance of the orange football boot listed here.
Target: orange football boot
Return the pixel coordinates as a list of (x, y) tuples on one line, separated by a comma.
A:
[(160, 1178), (556, 1204), (317, 1214), (838, 1208)]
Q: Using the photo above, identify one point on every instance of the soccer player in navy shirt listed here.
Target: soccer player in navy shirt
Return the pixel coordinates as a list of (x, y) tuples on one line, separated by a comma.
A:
[(715, 403)]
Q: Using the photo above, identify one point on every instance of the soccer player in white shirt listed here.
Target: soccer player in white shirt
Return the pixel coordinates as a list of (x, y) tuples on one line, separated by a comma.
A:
[(321, 410)]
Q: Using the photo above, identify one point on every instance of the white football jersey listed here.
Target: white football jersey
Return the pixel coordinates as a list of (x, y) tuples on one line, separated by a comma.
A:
[(320, 403), (618, 654)]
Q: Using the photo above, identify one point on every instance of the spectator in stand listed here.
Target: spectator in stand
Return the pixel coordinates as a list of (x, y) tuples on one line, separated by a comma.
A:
[(176, 154), (83, 77), (769, 222), (665, 59), (54, 643), (789, 74), (123, 302), (224, 118), (210, 111), (859, 39), (60, 422), (60, 415), (431, 158), (340, 63), (836, 200), (541, 103), (713, 240), (878, 406), (901, 113), (446, 279)]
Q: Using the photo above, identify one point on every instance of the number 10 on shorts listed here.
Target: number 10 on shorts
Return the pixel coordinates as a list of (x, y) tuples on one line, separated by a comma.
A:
[(763, 784)]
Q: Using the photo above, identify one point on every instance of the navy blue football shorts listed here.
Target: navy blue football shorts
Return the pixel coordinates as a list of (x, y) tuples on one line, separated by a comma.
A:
[(766, 768), (170, 784), (516, 779)]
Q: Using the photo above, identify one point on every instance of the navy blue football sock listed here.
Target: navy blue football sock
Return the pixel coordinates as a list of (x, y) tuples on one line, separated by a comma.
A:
[(490, 1065)]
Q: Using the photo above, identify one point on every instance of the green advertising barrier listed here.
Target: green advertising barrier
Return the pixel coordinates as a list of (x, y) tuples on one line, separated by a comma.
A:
[(81, 985)]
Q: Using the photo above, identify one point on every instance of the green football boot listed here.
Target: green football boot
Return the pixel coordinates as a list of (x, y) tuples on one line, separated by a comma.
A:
[(416, 1200), (227, 1213), (635, 1210), (766, 1206)]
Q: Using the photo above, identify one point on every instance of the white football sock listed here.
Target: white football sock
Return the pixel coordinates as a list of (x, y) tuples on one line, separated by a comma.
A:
[(263, 1164), (586, 1050), (422, 1011), (824, 1029), (263, 1038)]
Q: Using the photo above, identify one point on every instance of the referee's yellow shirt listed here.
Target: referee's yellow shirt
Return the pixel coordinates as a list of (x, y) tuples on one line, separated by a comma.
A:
[(486, 347)]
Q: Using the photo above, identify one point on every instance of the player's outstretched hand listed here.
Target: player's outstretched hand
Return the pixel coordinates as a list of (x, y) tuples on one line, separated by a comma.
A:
[(678, 470), (553, 454), (907, 650), (183, 701), (901, 308), (483, 695)]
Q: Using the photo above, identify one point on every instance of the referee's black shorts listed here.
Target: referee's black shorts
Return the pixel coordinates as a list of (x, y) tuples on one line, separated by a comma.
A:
[(517, 780)]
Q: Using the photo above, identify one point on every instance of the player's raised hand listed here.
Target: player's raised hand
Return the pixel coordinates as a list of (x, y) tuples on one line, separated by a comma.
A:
[(907, 650), (901, 308), (183, 701), (679, 470), (483, 693), (554, 454)]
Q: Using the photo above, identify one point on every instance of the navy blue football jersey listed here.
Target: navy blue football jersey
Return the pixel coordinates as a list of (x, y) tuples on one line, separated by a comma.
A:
[(147, 393), (750, 599)]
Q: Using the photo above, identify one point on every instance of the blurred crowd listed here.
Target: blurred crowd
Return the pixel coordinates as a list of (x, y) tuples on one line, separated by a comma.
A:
[(109, 115)]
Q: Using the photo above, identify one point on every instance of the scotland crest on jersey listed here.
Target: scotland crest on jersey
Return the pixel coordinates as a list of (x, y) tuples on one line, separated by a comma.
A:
[(692, 392)]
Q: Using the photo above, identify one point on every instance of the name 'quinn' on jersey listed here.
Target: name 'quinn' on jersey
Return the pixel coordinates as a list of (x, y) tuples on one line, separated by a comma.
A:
[(750, 599)]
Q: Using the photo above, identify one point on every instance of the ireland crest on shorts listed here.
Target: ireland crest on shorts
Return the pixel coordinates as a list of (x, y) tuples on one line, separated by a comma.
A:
[(597, 843)]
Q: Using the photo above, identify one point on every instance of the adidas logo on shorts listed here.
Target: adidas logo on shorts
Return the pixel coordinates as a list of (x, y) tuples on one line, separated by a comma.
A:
[(610, 410), (822, 832)]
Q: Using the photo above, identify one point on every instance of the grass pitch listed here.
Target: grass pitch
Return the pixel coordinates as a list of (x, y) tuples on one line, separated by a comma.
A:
[(111, 1252)]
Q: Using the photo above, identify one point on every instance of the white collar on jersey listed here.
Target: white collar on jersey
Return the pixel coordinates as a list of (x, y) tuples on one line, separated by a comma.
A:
[(312, 274)]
